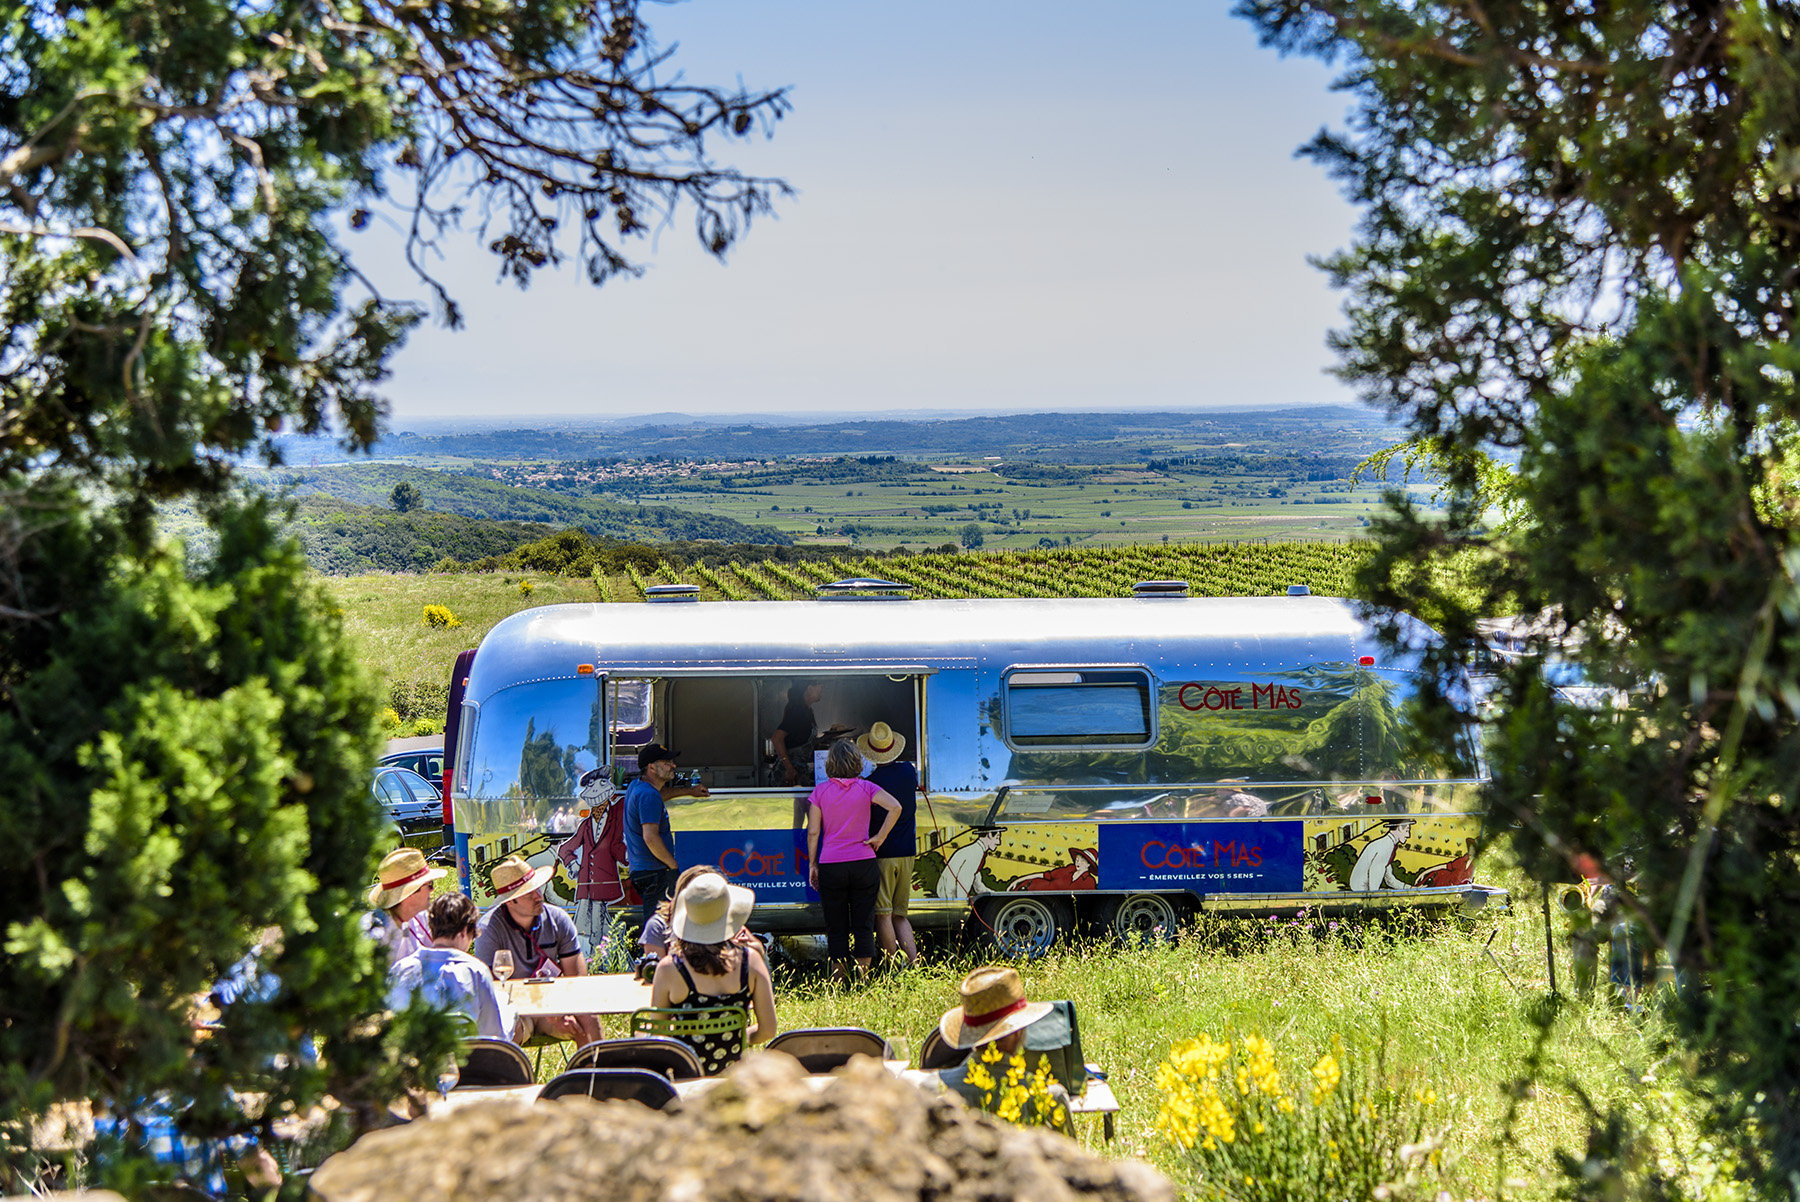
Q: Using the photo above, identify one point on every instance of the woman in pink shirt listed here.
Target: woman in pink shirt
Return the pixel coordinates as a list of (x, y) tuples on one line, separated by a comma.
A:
[(842, 852)]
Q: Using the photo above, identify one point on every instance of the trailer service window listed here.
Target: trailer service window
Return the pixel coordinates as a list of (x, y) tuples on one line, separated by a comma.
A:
[(1079, 707)]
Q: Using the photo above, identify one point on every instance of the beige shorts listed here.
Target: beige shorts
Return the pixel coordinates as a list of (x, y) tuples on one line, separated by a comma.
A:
[(896, 885)]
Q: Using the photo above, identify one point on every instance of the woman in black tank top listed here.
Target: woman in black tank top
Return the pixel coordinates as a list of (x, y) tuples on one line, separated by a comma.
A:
[(713, 961)]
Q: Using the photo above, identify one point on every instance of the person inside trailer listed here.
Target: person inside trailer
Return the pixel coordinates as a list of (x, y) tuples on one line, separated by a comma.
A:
[(793, 739)]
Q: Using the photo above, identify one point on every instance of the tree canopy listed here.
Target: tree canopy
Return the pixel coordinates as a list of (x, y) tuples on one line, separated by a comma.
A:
[(1581, 241), (187, 750)]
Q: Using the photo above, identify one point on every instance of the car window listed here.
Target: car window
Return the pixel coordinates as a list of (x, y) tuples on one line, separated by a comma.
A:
[(421, 789), (389, 789)]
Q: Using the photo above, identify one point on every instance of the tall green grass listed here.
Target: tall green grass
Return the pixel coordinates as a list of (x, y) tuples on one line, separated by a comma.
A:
[(1447, 1013)]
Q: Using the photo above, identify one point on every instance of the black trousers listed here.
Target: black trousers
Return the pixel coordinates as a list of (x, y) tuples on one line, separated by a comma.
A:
[(848, 891), (653, 885)]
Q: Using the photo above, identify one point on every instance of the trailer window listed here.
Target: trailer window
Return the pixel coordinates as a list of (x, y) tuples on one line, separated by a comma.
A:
[(1079, 707)]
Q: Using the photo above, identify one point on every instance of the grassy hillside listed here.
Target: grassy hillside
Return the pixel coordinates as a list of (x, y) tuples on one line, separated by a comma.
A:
[(371, 483), (385, 612)]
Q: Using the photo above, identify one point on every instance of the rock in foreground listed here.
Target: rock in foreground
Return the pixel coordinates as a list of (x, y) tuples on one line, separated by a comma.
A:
[(764, 1135)]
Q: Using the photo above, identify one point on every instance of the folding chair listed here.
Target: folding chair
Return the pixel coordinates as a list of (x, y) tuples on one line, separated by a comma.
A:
[(935, 1055), (688, 1025), (822, 1049), (494, 1062), (607, 1084), (669, 1057)]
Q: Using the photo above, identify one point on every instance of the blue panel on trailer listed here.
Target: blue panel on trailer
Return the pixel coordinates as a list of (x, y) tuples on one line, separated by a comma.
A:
[(1209, 857), (772, 863)]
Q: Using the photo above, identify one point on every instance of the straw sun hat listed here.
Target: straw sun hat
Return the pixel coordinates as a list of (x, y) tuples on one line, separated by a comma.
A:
[(709, 910), (513, 877), (881, 744), (993, 1007), (403, 872)]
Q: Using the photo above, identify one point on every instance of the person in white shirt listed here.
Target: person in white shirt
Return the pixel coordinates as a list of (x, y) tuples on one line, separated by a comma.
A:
[(447, 977)]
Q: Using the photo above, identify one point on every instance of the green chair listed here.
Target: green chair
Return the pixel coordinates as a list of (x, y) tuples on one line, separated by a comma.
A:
[(689, 1025)]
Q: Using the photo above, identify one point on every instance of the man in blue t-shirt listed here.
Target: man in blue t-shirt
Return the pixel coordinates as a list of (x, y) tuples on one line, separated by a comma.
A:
[(894, 858), (649, 843)]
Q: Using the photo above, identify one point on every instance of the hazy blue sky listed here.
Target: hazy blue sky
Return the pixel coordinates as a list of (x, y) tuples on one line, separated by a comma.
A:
[(1001, 204)]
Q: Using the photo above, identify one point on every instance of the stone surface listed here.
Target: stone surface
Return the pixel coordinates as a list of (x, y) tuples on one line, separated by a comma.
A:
[(762, 1136)]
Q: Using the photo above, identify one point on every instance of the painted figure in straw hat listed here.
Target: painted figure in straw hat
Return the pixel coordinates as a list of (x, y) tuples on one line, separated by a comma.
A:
[(991, 1021), (541, 938), (883, 747), (712, 963), (397, 903)]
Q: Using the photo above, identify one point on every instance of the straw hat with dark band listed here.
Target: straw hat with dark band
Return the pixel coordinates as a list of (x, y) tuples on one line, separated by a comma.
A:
[(881, 744), (513, 877), (993, 1007), (403, 873)]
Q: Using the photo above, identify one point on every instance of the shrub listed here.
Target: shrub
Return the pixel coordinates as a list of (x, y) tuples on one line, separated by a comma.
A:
[(390, 721), (525, 588), (1248, 1137), (1023, 1093), (440, 616)]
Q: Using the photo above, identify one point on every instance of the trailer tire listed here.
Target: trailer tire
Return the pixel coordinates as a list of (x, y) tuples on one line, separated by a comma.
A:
[(1022, 926), (1141, 919)]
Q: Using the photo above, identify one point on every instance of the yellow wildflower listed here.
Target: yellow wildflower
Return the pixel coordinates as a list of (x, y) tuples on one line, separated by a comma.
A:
[(1326, 1076)]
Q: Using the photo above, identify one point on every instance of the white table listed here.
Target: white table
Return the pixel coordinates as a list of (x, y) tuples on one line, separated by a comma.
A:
[(603, 993)]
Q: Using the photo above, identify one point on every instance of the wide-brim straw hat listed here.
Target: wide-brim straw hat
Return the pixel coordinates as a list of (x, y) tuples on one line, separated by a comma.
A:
[(710, 911), (881, 744), (993, 1007), (513, 877), (403, 872)]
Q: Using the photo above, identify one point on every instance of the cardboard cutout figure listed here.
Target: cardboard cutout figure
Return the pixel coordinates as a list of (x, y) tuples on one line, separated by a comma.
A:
[(594, 854)]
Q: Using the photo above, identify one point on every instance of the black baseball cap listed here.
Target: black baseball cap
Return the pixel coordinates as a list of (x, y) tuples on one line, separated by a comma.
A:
[(651, 752)]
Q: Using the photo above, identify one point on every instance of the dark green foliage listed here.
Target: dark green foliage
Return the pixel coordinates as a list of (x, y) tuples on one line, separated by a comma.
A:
[(577, 553), (341, 539), (405, 498), (472, 496), (1580, 236), (186, 748), (187, 763)]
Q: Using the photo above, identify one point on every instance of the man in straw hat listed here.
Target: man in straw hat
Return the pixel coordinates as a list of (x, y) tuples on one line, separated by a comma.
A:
[(992, 1020), (541, 938), (882, 747), (398, 902)]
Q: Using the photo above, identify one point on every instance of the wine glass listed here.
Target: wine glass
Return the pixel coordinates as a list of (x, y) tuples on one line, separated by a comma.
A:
[(447, 1078), (503, 966), (900, 1048)]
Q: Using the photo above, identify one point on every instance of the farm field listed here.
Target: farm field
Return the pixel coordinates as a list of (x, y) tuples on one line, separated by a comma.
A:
[(919, 506), (383, 612)]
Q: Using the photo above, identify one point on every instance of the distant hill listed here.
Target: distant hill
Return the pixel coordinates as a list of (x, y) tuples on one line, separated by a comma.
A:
[(369, 484), (341, 538), (1053, 437)]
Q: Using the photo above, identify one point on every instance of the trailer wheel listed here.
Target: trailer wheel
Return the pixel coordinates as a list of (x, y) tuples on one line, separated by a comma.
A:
[(1140, 919), (1022, 927)]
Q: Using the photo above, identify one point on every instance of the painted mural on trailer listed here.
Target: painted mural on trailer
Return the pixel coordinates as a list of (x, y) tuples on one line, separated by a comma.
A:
[(1382, 852)]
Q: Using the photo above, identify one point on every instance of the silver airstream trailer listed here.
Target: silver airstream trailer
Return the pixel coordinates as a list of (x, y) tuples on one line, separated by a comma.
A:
[(1084, 763)]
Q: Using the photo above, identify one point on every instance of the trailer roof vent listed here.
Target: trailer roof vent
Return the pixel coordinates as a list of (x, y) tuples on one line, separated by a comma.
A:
[(863, 588), (672, 592), (1298, 590), (1160, 588)]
